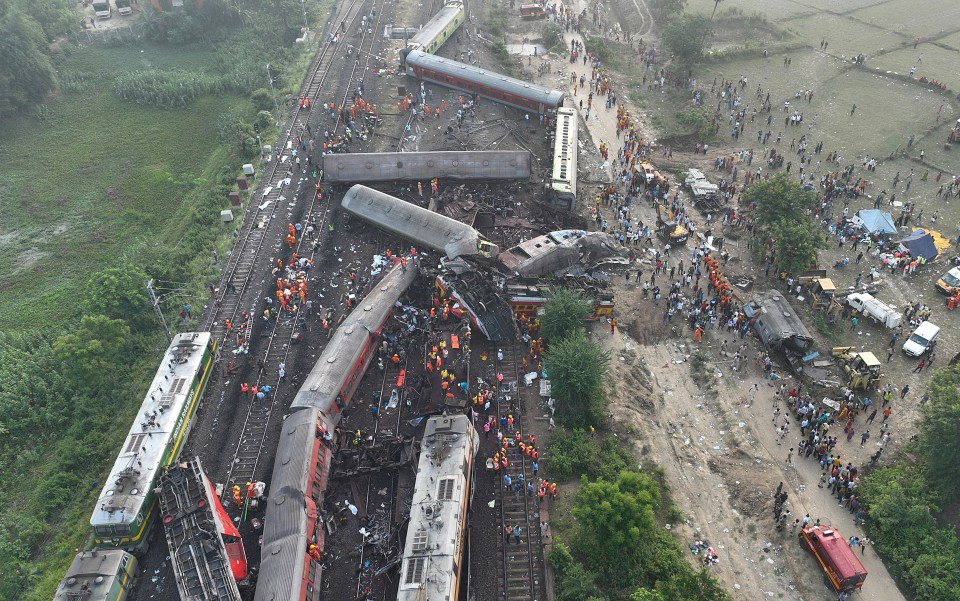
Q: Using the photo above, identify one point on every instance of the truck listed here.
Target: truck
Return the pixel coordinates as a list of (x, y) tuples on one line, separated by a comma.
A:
[(700, 186), (841, 566), (532, 11), (646, 171), (876, 310), (101, 8)]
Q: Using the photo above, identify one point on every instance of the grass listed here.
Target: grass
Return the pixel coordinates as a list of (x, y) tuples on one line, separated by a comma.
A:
[(97, 180), (506, 61), (605, 51)]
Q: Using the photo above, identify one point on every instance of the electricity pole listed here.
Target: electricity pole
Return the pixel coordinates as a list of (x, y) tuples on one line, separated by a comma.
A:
[(273, 92), (155, 303)]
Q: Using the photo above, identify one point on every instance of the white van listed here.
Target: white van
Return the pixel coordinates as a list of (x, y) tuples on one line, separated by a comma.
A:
[(922, 339)]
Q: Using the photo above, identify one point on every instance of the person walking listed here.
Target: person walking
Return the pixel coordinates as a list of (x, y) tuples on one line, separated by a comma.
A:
[(864, 437), (904, 391), (920, 366)]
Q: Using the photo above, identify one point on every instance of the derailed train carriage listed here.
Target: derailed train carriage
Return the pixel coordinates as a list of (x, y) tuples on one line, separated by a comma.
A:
[(437, 30), (424, 166), (475, 81), (421, 226), (290, 568)]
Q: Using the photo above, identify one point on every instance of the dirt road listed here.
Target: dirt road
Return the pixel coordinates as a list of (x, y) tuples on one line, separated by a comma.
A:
[(721, 457)]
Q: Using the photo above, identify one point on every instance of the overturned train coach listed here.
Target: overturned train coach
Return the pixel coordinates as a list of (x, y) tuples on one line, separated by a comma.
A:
[(421, 226), (293, 522), (480, 82), (424, 166)]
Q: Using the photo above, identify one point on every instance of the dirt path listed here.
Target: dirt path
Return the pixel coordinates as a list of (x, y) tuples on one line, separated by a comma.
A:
[(722, 460)]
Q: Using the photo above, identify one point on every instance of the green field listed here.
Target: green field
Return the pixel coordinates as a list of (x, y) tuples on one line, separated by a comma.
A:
[(97, 179)]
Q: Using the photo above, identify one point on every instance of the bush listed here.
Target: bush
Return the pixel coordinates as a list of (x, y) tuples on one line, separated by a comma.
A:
[(165, 88), (576, 453), (262, 99), (701, 371), (553, 37)]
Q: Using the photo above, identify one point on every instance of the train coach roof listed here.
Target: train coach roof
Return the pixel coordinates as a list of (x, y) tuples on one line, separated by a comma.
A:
[(91, 575), (483, 77), (285, 524), (405, 219), (437, 24), (325, 381), (140, 457), (410, 166)]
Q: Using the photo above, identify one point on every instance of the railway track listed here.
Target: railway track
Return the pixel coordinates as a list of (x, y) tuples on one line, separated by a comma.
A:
[(520, 565), (283, 328), (260, 223)]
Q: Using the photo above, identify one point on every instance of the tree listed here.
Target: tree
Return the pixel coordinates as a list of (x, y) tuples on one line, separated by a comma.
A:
[(796, 245), (614, 520), (696, 121), (56, 17), (688, 584), (236, 132), (685, 36), (939, 434), (119, 293), (88, 355), (564, 313), (576, 367), (262, 100), (782, 209), (779, 198), (668, 8), (642, 594), (26, 73)]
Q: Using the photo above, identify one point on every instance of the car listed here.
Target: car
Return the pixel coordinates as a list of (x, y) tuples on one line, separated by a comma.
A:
[(949, 283), (922, 340)]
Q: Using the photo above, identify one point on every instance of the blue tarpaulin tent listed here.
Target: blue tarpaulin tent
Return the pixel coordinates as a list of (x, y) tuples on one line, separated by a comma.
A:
[(877, 221), (920, 244)]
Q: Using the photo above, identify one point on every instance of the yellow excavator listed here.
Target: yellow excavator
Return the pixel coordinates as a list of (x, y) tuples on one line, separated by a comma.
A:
[(862, 368), (669, 229)]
